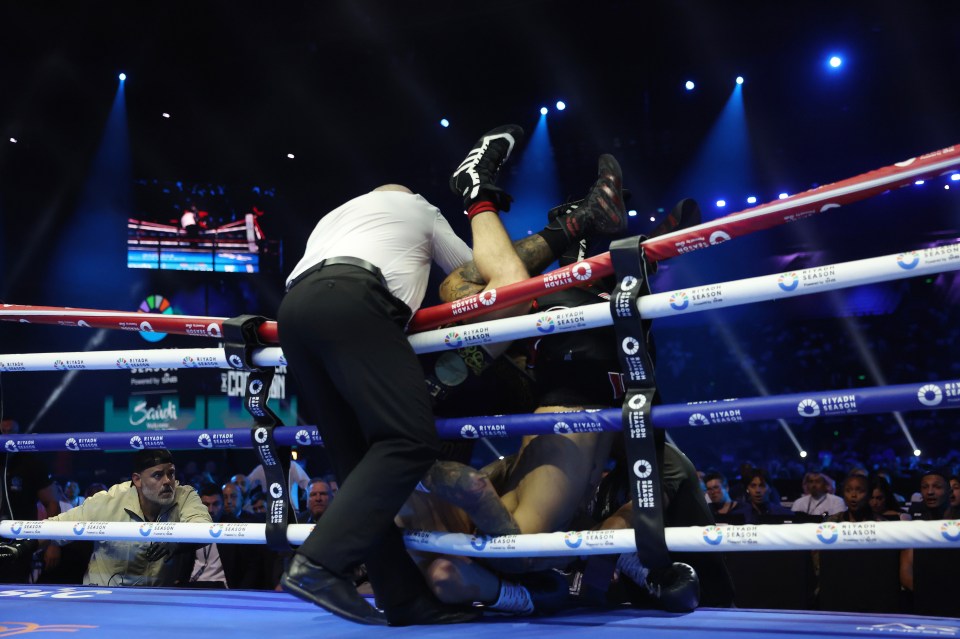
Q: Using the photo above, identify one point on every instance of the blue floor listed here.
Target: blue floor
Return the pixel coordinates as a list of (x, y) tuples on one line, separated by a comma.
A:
[(143, 613)]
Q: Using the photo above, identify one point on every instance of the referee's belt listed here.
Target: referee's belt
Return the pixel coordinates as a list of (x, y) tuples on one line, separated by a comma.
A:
[(345, 260)]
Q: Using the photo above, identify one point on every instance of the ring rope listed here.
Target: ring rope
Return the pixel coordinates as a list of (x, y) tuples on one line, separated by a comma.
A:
[(822, 536), (937, 395), (682, 301)]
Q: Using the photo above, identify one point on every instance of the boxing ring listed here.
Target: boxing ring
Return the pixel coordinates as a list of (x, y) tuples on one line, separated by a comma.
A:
[(108, 612)]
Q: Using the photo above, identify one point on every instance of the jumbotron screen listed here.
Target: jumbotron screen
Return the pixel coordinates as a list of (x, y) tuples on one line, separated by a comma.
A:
[(181, 226)]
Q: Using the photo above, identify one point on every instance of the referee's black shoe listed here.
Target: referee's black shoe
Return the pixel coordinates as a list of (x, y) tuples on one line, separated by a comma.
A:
[(427, 610), (332, 592), (475, 178)]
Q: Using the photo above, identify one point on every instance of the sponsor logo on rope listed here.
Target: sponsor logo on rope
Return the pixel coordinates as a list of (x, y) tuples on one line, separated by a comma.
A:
[(205, 441), (637, 402), (78, 528), (283, 360), (808, 408), (487, 298), (216, 530), (146, 327), (479, 542), (12, 367), (235, 361), (276, 490), (260, 435), (908, 261), (453, 340), (122, 363), (545, 324), (146, 529), (629, 283), (642, 468), (581, 271), (906, 629), (11, 446), (698, 419), (630, 345), (136, 443), (930, 395), (188, 362), (713, 535), (213, 330), (467, 431), (950, 530), (302, 437), (679, 301), (562, 428), (16, 527), (719, 237), (573, 539), (828, 532), (256, 385), (72, 444), (788, 281)]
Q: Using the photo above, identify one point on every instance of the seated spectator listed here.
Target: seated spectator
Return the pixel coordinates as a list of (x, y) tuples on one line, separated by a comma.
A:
[(718, 494), (152, 495), (953, 512), (883, 502), (934, 496), (318, 498), (817, 499), (758, 504), (71, 490), (856, 497), (234, 499)]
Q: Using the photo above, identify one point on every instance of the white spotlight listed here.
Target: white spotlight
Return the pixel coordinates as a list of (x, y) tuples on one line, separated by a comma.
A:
[(444, 123), (632, 213), (166, 115), (955, 177), (13, 140), (689, 85), (543, 110), (721, 204), (123, 76), (739, 79), (803, 453), (916, 453), (919, 183), (751, 200), (835, 61), (561, 105), (783, 196), (653, 219), (290, 155)]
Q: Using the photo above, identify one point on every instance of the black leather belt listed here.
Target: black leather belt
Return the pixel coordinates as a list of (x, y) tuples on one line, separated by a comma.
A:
[(345, 260)]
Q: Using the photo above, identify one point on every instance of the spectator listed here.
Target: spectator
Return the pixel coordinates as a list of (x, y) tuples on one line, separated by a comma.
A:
[(71, 490), (758, 503), (225, 565), (934, 496), (953, 512), (318, 498), (817, 499), (234, 499), (883, 503), (718, 494), (856, 497)]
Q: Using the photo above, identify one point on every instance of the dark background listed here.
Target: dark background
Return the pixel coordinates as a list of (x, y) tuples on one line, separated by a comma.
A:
[(355, 89)]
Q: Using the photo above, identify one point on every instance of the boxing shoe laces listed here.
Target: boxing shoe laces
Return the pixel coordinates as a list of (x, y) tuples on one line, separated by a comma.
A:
[(602, 212), (475, 178)]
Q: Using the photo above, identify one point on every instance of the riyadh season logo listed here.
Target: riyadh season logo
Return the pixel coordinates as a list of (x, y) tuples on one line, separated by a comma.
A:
[(214, 331), (189, 362), (122, 363), (136, 443), (235, 361), (276, 490), (637, 402), (545, 324), (630, 345), (72, 444), (679, 301), (59, 365), (827, 532), (205, 441), (573, 539), (479, 542), (562, 428), (713, 535), (78, 528), (487, 298), (788, 281), (642, 468), (302, 438), (146, 327), (216, 530), (260, 435), (950, 530), (146, 529), (718, 237), (467, 431), (930, 395), (453, 340), (582, 271), (256, 385), (628, 283), (11, 446), (283, 360), (808, 408), (908, 261), (16, 527), (698, 419)]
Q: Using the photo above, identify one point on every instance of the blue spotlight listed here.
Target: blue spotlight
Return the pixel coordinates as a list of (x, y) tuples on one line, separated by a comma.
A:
[(561, 105), (123, 76), (835, 61), (689, 85), (783, 196), (919, 182), (543, 110), (739, 79), (751, 200), (444, 123), (955, 177), (632, 213), (721, 204), (653, 219)]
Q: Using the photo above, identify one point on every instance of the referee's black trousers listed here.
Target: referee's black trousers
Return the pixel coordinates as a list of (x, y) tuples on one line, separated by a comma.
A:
[(342, 333)]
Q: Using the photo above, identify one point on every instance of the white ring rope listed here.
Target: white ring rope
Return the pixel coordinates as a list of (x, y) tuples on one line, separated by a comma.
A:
[(823, 536), (680, 302)]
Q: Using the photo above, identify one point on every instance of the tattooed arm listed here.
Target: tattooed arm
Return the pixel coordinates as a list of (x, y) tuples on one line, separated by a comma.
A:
[(472, 491), (465, 280)]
